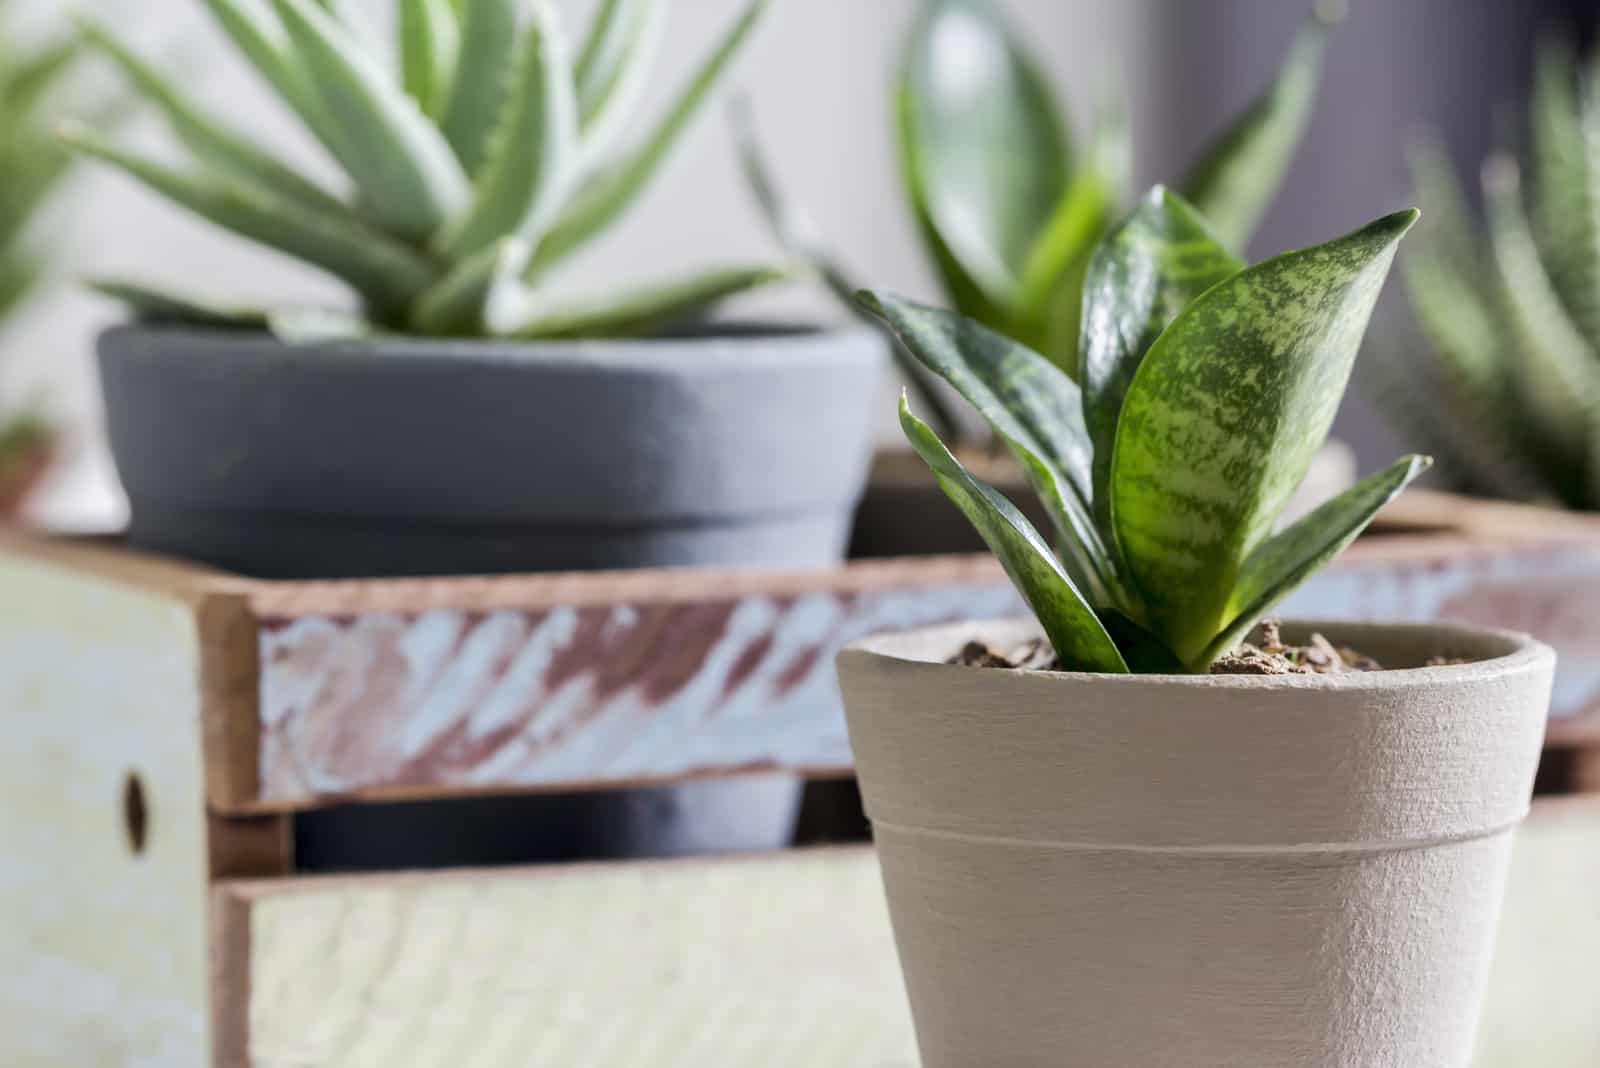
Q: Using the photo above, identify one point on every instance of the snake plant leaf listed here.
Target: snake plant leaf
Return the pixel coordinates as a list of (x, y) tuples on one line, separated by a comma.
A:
[(402, 166), (1143, 274), (1556, 375), (613, 67), (429, 38), (485, 59), (533, 156), (1030, 403), (1235, 179), (461, 303), (154, 305), (1294, 554), (985, 151), (1566, 185), (1079, 638), (272, 58), (648, 310), (223, 149), (1224, 416), (615, 190), (385, 272), (797, 236)]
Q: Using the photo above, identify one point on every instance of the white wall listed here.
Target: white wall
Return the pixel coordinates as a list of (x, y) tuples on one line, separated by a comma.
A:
[(818, 74)]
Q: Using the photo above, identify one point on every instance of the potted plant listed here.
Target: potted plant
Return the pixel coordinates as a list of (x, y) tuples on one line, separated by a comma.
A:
[(460, 419), (1097, 849), (1009, 213), (1505, 387), (32, 168)]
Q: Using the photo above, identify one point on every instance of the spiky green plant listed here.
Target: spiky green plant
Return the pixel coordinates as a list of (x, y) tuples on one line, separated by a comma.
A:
[(32, 167), (1506, 385), (482, 158), (1204, 389), (1009, 213)]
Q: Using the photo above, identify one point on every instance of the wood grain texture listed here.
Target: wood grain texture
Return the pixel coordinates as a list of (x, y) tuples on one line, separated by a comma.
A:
[(104, 951), (783, 960)]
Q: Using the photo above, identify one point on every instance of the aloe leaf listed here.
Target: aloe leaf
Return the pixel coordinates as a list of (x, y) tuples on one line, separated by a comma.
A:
[(648, 310), (1143, 274), (28, 80), (1079, 638), (460, 303), (277, 65), (1447, 228), (314, 326), (1224, 416), (385, 272), (159, 306), (1236, 177), (490, 30), (1030, 403), (534, 154), (1566, 185), (429, 39), (405, 171), (614, 67), (1294, 554), (797, 236), (213, 143), (613, 192), (1555, 375), (986, 154)]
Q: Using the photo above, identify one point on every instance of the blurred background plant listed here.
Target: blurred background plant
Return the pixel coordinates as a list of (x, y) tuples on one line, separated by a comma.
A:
[(35, 73), (1504, 381)]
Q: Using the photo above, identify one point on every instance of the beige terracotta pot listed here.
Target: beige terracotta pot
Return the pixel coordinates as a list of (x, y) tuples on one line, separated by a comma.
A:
[(1212, 872)]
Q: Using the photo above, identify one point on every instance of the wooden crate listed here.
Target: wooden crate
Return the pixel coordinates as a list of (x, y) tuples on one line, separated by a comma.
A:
[(164, 723)]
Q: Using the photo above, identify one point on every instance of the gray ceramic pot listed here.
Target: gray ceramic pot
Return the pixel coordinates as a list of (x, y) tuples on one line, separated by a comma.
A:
[(741, 446), (407, 457)]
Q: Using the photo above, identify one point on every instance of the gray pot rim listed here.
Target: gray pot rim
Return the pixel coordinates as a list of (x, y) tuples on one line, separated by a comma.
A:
[(1518, 652), (776, 342)]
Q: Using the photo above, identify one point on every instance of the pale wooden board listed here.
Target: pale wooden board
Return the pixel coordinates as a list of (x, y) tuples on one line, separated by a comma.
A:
[(1543, 1004), (783, 961), (104, 954)]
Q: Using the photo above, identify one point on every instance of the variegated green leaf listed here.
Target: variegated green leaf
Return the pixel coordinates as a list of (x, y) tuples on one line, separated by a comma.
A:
[(533, 158), (1237, 177), (614, 67), (798, 237), (1031, 404), (159, 306), (429, 39), (219, 147), (1224, 416), (1079, 638), (1145, 272), (490, 30), (649, 310), (1294, 554), (1556, 373), (405, 171), (984, 152), (613, 192), (385, 272)]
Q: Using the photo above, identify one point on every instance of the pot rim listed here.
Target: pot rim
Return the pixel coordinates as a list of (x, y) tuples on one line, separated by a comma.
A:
[(1521, 651), (773, 341)]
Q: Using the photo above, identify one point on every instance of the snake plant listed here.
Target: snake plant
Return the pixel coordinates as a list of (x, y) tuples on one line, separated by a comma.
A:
[(1506, 388), (1203, 389), (487, 153), (32, 168), (1007, 210)]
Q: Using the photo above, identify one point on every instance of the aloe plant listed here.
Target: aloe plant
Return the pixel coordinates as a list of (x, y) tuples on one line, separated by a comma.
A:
[(484, 156), (32, 168), (1506, 388), (1009, 213), (1204, 388)]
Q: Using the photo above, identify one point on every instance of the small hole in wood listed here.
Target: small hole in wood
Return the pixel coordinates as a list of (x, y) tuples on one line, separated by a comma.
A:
[(135, 813)]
